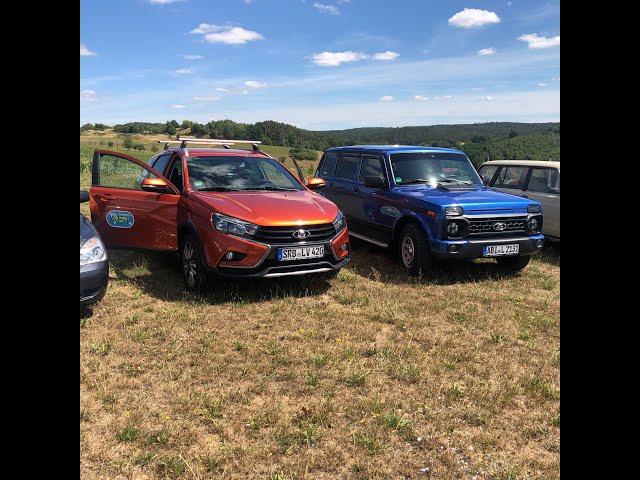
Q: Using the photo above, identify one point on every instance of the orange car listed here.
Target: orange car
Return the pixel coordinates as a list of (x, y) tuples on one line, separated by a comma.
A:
[(231, 212)]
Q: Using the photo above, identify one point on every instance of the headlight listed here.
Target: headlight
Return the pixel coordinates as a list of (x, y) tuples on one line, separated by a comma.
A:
[(453, 229), (534, 208), (233, 226), (339, 223), (534, 224), (453, 211), (92, 251)]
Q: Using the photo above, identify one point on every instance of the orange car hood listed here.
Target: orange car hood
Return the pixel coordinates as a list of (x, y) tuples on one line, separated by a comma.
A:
[(272, 208)]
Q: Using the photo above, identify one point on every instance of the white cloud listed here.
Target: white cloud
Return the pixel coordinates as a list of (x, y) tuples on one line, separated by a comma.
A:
[(473, 17), (164, 2), (176, 106), (206, 99), (88, 96), (184, 71), (222, 89), (486, 51), (388, 55), (333, 59), (387, 98), (536, 41), (226, 34), (420, 98), (254, 84), (192, 57), (85, 52), (245, 92), (329, 9), (476, 89), (487, 98), (541, 84)]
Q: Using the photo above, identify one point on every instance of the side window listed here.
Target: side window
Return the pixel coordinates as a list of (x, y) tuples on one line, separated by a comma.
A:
[(175, 173), (346, 166), (371, 166), (328, 165), (118, 172), (543, 180), (512, 177), (160, 164), (487, 172)]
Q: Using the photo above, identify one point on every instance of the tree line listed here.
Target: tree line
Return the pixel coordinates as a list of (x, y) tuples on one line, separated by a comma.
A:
[(480, 141)]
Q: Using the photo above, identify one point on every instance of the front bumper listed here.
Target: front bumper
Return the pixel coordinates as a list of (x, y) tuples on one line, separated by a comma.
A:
[(268, 266), (472, 248), (93, 282)]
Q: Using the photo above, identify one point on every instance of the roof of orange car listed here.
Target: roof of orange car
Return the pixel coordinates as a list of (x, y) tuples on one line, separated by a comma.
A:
[(212, 152)]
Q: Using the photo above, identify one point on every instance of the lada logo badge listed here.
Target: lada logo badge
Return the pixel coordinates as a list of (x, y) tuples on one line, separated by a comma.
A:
[(300, 234), (500, 226)]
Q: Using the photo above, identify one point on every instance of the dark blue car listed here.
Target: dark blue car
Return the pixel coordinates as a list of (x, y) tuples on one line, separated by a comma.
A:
[(429, 204)]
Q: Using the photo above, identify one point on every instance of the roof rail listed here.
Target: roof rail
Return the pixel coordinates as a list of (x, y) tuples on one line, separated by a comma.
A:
[(209, 141)]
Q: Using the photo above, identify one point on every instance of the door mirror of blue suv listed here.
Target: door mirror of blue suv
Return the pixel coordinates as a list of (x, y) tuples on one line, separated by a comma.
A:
[(374, 181), (84, 196)]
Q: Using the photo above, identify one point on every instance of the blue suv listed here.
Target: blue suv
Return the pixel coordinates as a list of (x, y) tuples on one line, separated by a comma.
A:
[(428, 204)]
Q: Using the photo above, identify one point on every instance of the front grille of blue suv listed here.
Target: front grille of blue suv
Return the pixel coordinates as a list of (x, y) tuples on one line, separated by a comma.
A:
[(429, 204)]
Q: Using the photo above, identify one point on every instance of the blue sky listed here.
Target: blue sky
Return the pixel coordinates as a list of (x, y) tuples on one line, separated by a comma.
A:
[(326, 64)]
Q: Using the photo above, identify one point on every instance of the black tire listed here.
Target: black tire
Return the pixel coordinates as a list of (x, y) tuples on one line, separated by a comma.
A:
[(194, 269), (513, 264), (413, 250)]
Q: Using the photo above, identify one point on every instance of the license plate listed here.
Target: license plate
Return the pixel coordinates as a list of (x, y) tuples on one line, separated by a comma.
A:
[(497, 250), (300, 253)]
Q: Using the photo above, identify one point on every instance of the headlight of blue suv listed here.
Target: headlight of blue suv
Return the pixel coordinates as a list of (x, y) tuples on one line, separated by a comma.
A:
[(453, 229), (233, 226), (533, 225), (534, 209), (92, 251), (454, 211), (339, 223)]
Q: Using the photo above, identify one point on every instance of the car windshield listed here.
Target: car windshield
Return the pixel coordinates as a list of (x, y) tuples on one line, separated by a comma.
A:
[(433, 168), (239, 173)]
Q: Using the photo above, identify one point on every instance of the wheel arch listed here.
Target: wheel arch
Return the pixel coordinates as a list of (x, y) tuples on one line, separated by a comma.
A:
[(404, 220)]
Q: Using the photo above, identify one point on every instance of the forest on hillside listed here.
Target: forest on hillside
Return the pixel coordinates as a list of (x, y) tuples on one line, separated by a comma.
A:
[(480, 141)]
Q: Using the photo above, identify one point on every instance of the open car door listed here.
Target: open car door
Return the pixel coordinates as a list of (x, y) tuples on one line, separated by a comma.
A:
[(132, 205)]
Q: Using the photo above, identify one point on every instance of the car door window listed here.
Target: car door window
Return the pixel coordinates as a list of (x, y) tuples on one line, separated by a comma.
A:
[(328, 165), (487, 172), (371, 166), (118, 172), (175, 173), (346, 167), (543, 180), (512, 177)]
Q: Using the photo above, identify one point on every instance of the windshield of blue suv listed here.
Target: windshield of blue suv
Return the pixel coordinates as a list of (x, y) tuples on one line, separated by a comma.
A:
[(239, 173), (433, 168)]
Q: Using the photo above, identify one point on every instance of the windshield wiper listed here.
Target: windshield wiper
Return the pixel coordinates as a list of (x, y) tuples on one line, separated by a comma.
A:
[(417, 180), (442, 180), (273, 188), (218, 189)]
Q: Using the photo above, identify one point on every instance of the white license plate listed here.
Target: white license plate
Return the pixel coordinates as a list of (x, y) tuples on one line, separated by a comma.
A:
[(300, 253), (497, 250)]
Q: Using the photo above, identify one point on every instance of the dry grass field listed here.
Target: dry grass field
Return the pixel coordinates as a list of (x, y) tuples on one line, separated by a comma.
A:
[(374, 375)]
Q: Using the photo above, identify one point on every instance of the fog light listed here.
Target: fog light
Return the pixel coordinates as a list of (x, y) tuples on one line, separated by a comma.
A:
[(345, 247), (539, 243), (229, 256), (452, 248), (453, 229)]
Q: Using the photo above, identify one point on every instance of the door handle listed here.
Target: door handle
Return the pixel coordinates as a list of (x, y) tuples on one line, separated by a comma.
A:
[(105, 197)]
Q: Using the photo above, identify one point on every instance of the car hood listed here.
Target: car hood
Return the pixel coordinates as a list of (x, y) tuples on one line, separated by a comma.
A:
[(478, 200), (271, 208)]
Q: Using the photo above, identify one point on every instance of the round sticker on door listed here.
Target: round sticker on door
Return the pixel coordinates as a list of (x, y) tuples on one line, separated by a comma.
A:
[(120, 219)]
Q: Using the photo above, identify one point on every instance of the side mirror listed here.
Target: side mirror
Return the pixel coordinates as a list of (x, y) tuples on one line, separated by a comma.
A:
[(157, 185), (315, 183), (84, 196), (374, 181)]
